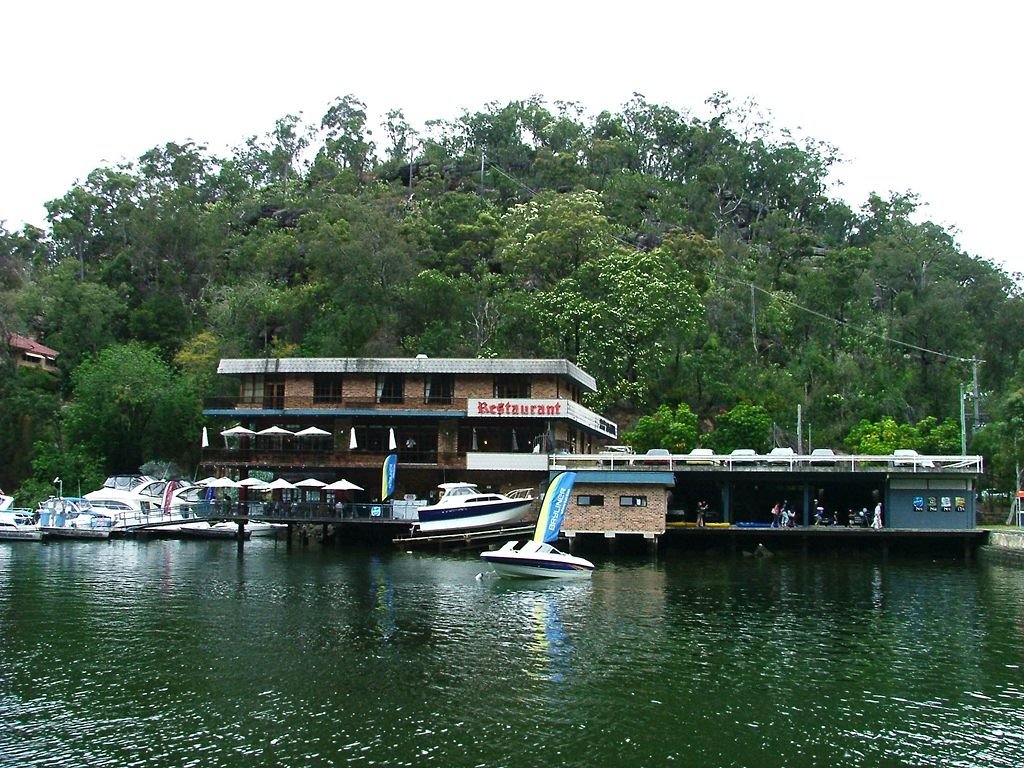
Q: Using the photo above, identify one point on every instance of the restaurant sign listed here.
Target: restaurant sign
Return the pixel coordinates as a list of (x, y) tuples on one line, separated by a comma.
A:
[(530, 408)]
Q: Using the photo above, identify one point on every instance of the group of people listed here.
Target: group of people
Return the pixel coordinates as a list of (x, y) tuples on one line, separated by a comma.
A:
[(784, 516)]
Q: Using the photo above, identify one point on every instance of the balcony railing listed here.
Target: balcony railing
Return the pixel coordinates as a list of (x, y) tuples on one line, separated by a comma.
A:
[(311, 403)]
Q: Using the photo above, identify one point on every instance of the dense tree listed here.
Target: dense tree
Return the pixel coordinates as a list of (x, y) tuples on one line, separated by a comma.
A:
[(129, 406)]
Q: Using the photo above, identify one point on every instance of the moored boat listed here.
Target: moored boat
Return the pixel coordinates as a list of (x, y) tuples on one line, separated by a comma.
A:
[(18, 525), (73, 518), (464, 506), (537, 558)]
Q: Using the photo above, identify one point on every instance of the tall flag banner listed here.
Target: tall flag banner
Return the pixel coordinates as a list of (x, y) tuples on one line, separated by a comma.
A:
[(169, 489), (206, 439), (387, 478), (552, 511)]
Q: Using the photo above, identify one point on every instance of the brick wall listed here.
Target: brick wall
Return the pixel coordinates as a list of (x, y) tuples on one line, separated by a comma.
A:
[(612, 516)]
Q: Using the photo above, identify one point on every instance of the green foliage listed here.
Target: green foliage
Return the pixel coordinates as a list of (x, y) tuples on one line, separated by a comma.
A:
[(675, 430), (129, 406), (881, 437), (743, 426), (78, 466)]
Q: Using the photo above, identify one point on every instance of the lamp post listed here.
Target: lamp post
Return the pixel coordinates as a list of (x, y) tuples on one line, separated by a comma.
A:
[(60, 487)]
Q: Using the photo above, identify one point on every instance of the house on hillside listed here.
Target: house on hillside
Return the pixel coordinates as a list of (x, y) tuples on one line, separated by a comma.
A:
[(31, 354)]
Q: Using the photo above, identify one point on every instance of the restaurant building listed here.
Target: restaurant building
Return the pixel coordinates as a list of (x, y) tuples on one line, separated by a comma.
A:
[(489, 421)]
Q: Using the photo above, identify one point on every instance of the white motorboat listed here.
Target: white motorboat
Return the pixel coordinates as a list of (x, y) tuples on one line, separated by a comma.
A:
[(18, 525), (537, 558), (73, 518), (464, 506), (6, 502)]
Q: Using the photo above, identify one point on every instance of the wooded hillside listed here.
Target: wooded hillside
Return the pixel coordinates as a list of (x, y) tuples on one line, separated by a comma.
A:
[(702, 266)]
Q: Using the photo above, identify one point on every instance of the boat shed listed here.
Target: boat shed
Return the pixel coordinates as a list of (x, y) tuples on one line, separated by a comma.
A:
[(922, 492)]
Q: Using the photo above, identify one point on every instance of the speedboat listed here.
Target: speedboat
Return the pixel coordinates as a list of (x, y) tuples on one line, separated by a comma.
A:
[(18, 525), (463, 506), (6, 502), (537, 558)]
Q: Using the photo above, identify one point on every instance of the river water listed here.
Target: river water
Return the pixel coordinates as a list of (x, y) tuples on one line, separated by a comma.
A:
[(173, 653)]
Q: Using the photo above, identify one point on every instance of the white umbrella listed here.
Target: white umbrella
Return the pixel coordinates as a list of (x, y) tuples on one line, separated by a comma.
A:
[(236, 431), (279, 484), (341, 485), (251, 482), (222, 482), (275, 431), (310, 482), (392, 443), (206, 480), (352, 440), (312, 432)]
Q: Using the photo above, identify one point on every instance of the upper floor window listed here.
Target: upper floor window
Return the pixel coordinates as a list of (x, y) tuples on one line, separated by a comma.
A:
[(391, 388), (326, 388), (439, 389), (591, 500), (251, 392), (512, 385)]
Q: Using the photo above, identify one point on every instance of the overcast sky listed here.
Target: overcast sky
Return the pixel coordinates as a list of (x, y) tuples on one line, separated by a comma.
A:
[(917, 96)]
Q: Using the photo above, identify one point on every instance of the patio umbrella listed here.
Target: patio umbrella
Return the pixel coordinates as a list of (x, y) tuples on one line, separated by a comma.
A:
[(341, 485), (392, 443), (279, 484), (237, 432), (251, 482), (312, 432), (310, 482), (206, 480), (222, 482), (276, 431)]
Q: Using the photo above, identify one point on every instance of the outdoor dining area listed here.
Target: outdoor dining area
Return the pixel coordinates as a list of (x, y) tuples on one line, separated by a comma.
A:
[(281, 499)]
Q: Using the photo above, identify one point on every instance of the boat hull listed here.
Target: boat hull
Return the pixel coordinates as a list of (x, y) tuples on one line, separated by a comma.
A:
[(20, 534), (67, 532), (538, 565), (459, 518)]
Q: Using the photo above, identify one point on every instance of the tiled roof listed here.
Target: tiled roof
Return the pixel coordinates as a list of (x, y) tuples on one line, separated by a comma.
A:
[(375, 365), (28, 345)]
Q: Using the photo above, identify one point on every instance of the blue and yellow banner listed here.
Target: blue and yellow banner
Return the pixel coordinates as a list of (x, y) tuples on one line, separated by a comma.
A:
[(387, 476), (552, 510)]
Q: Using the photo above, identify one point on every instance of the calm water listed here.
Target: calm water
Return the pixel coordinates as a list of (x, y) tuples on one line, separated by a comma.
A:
[(168, 653)]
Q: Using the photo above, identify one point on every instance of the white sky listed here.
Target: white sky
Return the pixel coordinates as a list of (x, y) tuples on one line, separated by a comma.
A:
[(917, 96)]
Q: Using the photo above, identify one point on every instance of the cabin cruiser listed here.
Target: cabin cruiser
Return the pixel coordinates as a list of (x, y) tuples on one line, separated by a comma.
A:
[(73, 518), (18, 525), (463, 506)]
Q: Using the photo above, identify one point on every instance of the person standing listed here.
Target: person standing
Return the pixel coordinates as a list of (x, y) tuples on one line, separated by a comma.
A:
[(777, 516), (702, 508), (876, 523)]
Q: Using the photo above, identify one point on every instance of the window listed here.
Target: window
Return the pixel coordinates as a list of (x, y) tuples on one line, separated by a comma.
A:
[(590, 501), (439, 389), (326, 388), (512, 385), (251, 392), (273, 392), (632, 501), (391, 388)]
